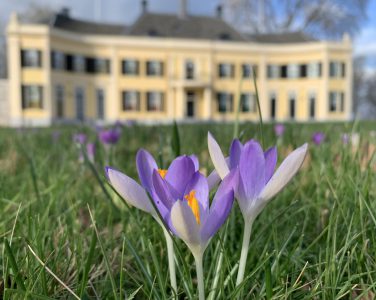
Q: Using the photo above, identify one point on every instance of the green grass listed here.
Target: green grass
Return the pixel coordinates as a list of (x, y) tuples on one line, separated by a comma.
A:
[(315, 240)]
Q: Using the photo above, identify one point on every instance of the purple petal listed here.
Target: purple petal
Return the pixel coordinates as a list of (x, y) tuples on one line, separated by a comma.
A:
[(213, 179), (217, 157), (252, 169), (221, 206), (199, 184), (286, 171), (195, 161), (270, 162), (235, 151), (161, 191), (145, 167), (129, 190), (185, 224), (179, 173)]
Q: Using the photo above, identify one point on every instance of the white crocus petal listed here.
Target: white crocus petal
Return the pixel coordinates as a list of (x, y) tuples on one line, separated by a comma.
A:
[(130, 190), (185, 223), (286, 171), (217, 157)]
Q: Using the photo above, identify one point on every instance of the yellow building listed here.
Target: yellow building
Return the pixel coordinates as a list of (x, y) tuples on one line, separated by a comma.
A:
[(166, 67)]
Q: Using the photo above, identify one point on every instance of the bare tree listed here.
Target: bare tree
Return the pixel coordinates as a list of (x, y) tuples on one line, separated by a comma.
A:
[(37, 13), (321, 18)]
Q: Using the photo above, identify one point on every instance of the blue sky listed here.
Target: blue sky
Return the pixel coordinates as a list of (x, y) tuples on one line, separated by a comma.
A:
[(125, 11)]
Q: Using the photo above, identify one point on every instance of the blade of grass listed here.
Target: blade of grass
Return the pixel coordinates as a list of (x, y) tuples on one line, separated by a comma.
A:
[(106, 261)]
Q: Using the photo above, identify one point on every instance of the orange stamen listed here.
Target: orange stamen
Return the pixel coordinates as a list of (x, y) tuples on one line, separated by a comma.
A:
[(193, 204), (162, 172)]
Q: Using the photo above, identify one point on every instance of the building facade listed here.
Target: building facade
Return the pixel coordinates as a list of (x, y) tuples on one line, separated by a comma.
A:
[(166, 67)]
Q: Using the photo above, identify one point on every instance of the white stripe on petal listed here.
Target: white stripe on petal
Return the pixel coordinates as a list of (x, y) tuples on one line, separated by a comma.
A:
[(217, 157), (130, 190), (286, 171), (185, 223)]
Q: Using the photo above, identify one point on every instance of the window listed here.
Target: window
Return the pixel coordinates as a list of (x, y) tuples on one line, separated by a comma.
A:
[(31, 58), (69, 62), (303, 71), (80, 103), (78, 63), (314, 70), (154, 101), (32, 96), (100, 104), (312, 105), (247, 70), (292, 102), (248, 102), (57, 60), (130, 67), (336, 101), (101, 65), (225, 102), (337, 69), (131, 101), (273, 71), (189, 69), (59, 100), (154, 68), (273, 105), (226, 70), (283, 71), (293, 71)]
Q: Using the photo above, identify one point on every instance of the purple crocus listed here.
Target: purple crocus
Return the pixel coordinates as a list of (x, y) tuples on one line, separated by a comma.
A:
[(110, 136), (79, 138), (318, 138), (258, 183), (279, 129), (90, 150)]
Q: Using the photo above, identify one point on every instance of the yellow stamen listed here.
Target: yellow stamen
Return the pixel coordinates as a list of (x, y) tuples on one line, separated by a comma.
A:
[(193, 204), (162, 172)]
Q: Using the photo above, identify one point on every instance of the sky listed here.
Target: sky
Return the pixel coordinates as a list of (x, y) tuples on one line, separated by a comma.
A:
[(126, 11)]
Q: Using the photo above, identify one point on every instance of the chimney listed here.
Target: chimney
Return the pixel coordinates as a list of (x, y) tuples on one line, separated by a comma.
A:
[(65, 11), (219, 11), (183, 9), (144, 6)]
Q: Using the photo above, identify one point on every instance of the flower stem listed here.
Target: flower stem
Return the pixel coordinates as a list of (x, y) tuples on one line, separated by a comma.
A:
[(244, 253), (171, 262), (200, 276)]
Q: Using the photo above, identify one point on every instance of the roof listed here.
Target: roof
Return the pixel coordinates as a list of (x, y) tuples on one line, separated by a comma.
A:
[(173, 26), (195, 27), (161, 25), (280, 38), (69, 24)]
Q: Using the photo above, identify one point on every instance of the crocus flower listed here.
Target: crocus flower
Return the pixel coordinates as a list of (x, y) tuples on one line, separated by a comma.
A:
[(110, 136), (191, 218), (345, 138), (258, 183), (176, 176), (318, 138), (79, 138), (279, 129), (90, 150)]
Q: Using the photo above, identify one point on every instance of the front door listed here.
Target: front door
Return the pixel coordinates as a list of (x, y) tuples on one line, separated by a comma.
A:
[(190, 111)]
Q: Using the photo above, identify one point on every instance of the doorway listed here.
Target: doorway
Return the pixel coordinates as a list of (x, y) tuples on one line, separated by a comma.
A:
[(190, 104)]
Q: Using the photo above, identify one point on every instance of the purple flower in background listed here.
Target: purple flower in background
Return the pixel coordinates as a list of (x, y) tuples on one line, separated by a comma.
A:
[(79, 138), (318, 138), (110, 136), (56, 135), (90, 150), (345, 138), (279, 129)]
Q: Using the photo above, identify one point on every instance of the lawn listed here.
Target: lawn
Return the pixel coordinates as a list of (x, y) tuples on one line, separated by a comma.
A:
[(65, 232)]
